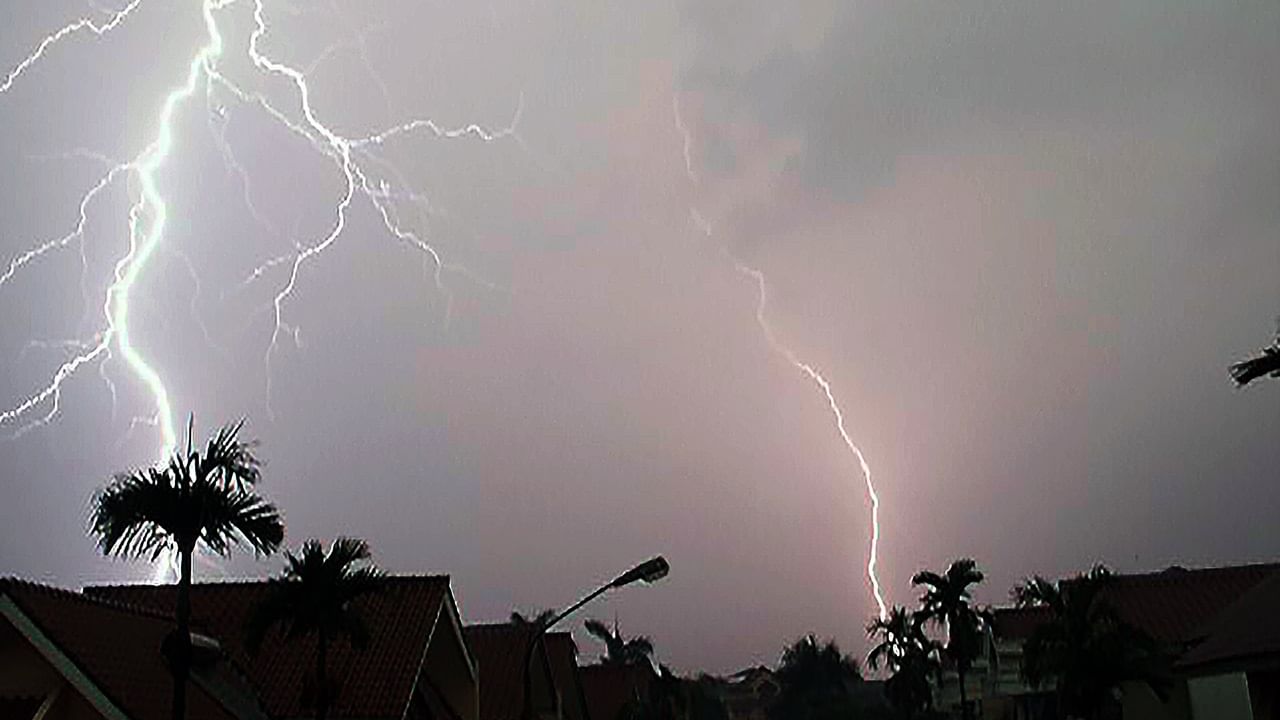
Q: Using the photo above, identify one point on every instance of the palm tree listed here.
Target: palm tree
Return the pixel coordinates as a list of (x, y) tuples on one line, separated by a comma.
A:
[(619, 650), (1267, 362), (1086, 650), (198, 497), (539, 618), (909, 654), (816, 681), (946, 602), (316, 594)]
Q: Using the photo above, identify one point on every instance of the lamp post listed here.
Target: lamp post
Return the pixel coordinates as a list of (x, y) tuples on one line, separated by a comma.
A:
[(649, 571)]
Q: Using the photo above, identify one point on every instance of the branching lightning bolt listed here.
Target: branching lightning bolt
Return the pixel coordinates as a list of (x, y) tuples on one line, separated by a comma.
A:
[(67, 30), (148, 214), (807, 369), (142, 243)]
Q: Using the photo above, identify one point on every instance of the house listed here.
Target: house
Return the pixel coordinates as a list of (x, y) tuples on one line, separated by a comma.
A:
[(1219, 623), (416, 664), (610, 688), (499, 650), (65, 656)]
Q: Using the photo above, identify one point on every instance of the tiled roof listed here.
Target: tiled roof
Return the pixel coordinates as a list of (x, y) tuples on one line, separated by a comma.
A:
[(1245, 632), (499, 649), (376, 681), (563, 654), (117, 647), (608, 688), (1174, 605)]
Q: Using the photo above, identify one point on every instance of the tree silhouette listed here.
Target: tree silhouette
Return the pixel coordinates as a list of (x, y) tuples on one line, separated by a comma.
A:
[(539, 619), (1266, 362), (909, 654), (205, 498), (315, 595), (618, 649), (946, 602), (1086, 650), (816, 681)]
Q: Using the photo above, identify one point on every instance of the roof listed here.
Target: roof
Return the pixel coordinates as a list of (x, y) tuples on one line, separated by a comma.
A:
[(114, 646), (377, 681), (608, 688), (1246, 631), (499, 650), (1225, 607), (1018, 623), (1175, 605)]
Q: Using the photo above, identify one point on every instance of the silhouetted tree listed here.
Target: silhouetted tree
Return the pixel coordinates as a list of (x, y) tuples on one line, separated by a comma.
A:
[(315, 595), (197, 497), (539, 619), (946, 602), (618, 649), (1266, 362), (910, 655), (817, 682), (1085, 650)]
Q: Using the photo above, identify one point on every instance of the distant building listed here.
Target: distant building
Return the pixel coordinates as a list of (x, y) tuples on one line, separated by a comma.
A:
[(1221, 624)]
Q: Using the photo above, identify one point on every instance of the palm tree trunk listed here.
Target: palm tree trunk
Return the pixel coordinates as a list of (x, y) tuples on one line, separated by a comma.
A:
[(322, 684), (964, 696), (182, 648)]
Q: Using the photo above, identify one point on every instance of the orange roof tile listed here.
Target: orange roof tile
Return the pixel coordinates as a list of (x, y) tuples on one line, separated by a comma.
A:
[(376, 681), (116, 646)]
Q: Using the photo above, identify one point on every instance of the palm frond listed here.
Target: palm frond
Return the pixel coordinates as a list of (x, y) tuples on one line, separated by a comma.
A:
[(235, 515), (228, 459), (1267, 362), (137, 514)]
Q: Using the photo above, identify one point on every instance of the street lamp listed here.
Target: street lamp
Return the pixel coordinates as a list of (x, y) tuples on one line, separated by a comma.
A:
[(649, 571)]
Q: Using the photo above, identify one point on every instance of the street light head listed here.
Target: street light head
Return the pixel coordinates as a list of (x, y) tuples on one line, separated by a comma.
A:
[(649, 571)]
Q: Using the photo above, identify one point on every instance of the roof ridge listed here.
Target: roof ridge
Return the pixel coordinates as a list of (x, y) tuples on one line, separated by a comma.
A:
[(240, 582), (1177, 571), (109, 603)]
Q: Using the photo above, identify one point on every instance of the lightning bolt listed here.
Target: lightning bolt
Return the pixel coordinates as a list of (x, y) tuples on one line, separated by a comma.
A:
[(64, 32), (808, 370), (148, 215)]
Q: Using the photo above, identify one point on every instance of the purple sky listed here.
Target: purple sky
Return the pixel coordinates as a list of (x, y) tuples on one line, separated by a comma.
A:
[(1022, 240)]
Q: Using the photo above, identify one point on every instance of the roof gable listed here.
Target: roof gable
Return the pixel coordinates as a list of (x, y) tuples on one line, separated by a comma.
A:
[(374, 682), (110, 653)]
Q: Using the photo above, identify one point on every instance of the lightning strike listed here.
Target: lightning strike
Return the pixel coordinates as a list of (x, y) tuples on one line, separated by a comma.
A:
[(71, 29), (808, 370)]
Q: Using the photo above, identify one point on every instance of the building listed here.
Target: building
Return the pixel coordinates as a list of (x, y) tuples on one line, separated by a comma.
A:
[(1220, 624), (415, 665), (65, 656), (499, 650)]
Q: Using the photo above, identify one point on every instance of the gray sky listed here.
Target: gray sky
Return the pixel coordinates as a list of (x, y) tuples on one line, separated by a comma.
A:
[(1022, 240)]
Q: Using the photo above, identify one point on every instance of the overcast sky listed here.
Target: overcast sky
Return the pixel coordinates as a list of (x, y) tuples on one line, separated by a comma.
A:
[(1022, 240)]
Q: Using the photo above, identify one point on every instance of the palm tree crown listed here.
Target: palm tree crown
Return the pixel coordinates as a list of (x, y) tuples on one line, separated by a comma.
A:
[(909, 654), (1266, 362), (618, 649), (315, 595), (946, 601), (199, 497), (1086, 650)]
